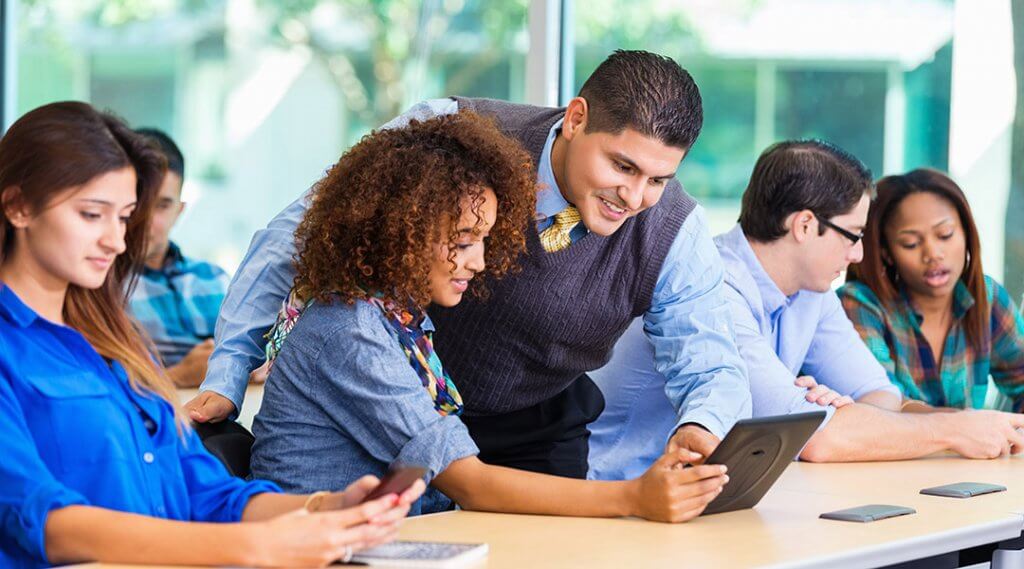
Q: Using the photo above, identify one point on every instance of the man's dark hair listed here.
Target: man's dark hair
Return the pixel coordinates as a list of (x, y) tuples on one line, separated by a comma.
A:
[(795, 175), (646, 92), (175, 160)]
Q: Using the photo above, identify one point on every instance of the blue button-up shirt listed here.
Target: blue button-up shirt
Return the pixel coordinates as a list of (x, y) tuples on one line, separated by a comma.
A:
[(688, 321), (74, 432), (779, 338)]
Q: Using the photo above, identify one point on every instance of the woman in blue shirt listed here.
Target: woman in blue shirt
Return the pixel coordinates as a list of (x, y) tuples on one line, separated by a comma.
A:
[(398, 224), (97, 463)]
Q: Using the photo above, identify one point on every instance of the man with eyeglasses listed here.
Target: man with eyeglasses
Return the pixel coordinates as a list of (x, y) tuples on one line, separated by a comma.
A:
[(799, 228)]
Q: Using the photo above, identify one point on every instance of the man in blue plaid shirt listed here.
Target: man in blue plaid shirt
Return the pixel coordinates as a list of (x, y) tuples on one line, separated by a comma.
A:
[(177, 298)]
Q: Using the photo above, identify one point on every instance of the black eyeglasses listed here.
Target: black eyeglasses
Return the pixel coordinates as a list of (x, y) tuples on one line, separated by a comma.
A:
[(853, 237)]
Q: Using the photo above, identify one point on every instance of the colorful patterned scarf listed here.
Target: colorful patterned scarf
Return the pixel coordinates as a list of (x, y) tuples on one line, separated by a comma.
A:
[(419, 348), (407, 324)]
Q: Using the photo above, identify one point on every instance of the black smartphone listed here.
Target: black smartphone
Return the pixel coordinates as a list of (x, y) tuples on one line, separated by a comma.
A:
[(396, 481)]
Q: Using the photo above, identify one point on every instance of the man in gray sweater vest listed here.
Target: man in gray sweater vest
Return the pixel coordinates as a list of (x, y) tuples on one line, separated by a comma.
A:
[(617, 238)]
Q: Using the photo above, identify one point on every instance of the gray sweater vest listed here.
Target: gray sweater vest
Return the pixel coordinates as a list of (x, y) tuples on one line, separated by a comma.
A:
[(562, 313)]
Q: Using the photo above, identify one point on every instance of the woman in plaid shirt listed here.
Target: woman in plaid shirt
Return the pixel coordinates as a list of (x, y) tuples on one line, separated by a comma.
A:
[(921, 302)]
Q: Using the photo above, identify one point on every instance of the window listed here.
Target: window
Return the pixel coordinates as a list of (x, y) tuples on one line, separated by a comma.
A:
[(262, 96)]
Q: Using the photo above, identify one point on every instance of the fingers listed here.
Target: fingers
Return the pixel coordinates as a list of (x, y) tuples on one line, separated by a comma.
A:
[(357, 538), (194, 408), (688, 505), (697, 473), (805, 381), (676, 459), (1016, 441), (818, 394), (412, 493), (259, 375), (360, 514), (705, 444), (392, 516), (843, 401), (209, 407), (356, 491), (1016, 420)]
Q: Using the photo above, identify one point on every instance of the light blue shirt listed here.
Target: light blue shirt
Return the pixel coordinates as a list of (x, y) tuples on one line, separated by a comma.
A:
[(688, 323), (779, 338)]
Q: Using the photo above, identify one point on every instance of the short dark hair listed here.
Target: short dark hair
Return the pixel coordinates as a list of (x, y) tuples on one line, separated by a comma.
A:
[(795, 175), (175, 160), (646, 92)]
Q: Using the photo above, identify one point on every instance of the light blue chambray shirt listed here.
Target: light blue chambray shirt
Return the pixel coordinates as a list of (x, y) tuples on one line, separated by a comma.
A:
[(688, 323), (779, 338), (342, 401)]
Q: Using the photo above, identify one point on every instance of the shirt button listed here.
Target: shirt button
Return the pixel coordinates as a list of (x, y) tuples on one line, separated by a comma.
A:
[(148, 458)]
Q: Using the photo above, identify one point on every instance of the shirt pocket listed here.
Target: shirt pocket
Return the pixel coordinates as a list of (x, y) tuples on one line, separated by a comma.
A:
[(87, 426)]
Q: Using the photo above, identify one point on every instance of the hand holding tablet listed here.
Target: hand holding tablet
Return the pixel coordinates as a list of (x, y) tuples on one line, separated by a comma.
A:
[(756, 452)]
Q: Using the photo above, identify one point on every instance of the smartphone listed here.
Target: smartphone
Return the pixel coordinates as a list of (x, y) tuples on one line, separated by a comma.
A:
[(396, 481)]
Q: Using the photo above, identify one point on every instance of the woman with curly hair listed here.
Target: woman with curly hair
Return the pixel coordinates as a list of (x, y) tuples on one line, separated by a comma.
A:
[(97, 464), (408, 218)]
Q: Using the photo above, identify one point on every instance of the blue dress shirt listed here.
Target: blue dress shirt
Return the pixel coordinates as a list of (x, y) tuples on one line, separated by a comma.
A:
[(779, 338), (688, 322), (75, 432)]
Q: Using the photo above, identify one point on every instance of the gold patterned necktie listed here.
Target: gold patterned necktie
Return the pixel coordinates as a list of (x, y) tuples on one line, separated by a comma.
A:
[(556, 237)]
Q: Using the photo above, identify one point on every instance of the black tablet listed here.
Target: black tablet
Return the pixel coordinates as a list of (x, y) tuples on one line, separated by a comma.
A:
[(756, 451)]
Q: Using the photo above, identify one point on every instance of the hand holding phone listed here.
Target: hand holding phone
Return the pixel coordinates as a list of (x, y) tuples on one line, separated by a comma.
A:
[(397, 480)]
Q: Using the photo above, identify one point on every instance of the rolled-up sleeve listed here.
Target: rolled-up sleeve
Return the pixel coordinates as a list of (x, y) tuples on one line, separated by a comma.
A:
[(251, 304), (689, 327), (839, 359), (215, 495), (772, 384), (28, 490), (380, 400)]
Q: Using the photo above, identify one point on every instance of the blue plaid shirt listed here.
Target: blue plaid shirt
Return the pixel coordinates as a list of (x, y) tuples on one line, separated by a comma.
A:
[(177, 305)]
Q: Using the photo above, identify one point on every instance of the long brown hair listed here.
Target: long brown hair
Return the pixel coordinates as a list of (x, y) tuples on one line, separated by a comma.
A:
[(881, 277), (61, 146)]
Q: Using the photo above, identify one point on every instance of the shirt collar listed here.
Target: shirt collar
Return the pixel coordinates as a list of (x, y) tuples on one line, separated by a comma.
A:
[(172, 260), (963, 301), (549, 197), (771, 296), (12, 308)]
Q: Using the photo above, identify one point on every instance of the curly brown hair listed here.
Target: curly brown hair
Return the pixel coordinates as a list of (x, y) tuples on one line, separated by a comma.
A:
[(376, 213)]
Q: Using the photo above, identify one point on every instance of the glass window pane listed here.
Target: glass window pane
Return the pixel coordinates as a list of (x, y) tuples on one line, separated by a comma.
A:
[(262, 96), (859, 74)]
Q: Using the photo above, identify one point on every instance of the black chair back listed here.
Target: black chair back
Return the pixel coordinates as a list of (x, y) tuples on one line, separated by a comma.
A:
[(230, 442)]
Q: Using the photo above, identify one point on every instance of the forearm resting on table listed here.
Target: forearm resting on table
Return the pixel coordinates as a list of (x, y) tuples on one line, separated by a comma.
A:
[(268, 505), (864, 432), (87, 533), (478, 486), (882, 399)]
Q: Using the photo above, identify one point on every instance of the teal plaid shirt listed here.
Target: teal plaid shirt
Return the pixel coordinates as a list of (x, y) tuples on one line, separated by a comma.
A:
[(177, 305), (961, 377)]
